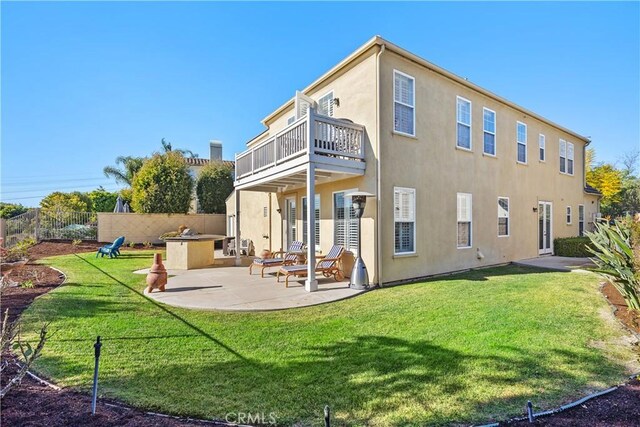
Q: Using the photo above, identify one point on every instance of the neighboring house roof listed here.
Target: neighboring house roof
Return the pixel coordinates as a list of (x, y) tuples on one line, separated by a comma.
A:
[(377, 40), (203, 162), (590, 190)]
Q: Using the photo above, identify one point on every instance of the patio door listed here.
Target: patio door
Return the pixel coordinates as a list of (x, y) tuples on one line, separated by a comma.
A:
[(291, 234), (545, 228)]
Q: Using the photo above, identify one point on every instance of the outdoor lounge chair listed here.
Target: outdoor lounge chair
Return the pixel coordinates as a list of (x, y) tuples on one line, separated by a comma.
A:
[(280, 258), (328, 266), (113, 250)]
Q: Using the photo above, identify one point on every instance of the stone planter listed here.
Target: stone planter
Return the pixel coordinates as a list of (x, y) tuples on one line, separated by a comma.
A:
[(157, 277)]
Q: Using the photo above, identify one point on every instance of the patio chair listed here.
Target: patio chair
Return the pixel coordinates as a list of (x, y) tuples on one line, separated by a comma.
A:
[(113, 250), (328, 266), (246, 246), (278, 259)]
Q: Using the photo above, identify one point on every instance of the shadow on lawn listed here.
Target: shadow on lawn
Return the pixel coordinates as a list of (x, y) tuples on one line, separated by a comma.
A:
[(484, 274), (371, 380)]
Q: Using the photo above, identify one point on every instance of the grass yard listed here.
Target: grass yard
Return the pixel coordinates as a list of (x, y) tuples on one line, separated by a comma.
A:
[(466, 348)]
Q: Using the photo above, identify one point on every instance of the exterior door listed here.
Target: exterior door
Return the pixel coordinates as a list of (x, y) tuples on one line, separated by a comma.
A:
[(545, 228), (290, 222)]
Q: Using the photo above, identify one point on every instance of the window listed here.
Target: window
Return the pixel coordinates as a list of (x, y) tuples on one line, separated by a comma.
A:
[(568, 215), (292, 234), (463, 114), (542, 143), (569, 158), (404, 216), (345, 223), (304, 220), (521, 132), (489, 119), (265, 212), (325, 105), (580, 220), (291, 120), (503, 216), (563, 156), (464, 220), (404, 103)]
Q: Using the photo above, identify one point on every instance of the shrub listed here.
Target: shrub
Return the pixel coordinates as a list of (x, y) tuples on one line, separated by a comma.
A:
[(572, 246), (9, 210), (162, 185), (103, 200), (215, 183), (614, 257)]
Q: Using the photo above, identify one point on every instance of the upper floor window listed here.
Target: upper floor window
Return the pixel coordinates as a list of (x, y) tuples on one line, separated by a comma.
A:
[(291, 120), (325, 105), (404, 207), (489, 120), (404, 103), (542, 144), (521, 138), (464, 122), (566, 157)]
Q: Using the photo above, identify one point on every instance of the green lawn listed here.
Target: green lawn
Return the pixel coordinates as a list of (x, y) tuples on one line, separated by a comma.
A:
[(466, 348)]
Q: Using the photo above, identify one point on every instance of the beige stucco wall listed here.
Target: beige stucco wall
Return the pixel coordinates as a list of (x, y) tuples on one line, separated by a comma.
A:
[(433, 165), (139, 228)]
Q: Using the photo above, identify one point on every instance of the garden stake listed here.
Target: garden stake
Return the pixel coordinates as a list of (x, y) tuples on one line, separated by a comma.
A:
[(327, 416), (530, 411), (96, 347)]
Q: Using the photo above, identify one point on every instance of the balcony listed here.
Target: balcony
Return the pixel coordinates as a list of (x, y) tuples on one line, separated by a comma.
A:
[(337, 148)]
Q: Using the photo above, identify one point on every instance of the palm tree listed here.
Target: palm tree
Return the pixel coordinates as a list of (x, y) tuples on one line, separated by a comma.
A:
[(166, 146), (125, 174)]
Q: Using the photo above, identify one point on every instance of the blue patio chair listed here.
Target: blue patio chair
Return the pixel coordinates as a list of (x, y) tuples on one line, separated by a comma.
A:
[(113, 250)]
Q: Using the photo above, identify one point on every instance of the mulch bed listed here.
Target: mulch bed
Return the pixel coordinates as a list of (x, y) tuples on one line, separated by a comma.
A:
[(34, 404)]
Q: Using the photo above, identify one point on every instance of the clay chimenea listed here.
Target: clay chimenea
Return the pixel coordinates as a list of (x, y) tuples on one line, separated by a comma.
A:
[(157, 277)]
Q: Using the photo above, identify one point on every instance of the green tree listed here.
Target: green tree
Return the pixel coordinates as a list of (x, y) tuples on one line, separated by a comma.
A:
[(102, 200), (214, 185), (166, 147), (162, 185), (125, 173), (66, 202), (9, 210)]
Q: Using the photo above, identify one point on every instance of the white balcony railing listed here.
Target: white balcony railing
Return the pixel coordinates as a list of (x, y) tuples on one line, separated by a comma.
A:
[(330, 137)]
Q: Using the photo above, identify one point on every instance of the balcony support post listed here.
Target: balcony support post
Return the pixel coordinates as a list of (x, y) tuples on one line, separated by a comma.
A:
[(238, 259), (311, 284)]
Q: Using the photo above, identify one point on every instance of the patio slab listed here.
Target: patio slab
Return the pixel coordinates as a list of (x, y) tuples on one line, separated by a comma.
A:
[(233, 289), (558, 263)]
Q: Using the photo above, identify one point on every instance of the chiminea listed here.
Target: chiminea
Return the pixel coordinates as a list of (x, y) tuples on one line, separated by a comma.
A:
[(157, 277)]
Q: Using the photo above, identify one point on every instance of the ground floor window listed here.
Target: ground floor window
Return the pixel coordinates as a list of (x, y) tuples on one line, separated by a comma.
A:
[(568, 215), (503, 216), (345, 223), (404, 206), (464, 220), (580, 220)]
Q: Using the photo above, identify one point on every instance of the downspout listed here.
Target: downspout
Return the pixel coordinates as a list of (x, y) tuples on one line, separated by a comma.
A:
[(378, 178)]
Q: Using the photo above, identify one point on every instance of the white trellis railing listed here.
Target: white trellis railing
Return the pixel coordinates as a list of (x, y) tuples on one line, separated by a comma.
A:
[(331, 137)]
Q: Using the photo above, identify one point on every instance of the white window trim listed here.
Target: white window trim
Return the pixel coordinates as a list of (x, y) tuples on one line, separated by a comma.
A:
[(508, 217), (470, 222), (560, 158), (542, 138), (569, 215), (415, 243), (303, 199), (464, 124), (525, 143), (495, 127), (333, 213), (328, 93), (413, 107)]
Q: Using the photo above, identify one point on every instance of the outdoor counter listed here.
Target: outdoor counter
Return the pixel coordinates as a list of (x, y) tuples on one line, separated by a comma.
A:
[(188, 252)]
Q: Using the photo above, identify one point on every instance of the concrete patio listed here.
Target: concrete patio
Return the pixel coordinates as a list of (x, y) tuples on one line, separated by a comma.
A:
[(558, 263), (233, 289)]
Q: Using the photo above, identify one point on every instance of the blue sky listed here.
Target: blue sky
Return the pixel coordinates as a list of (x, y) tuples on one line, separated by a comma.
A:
[(85, 82)]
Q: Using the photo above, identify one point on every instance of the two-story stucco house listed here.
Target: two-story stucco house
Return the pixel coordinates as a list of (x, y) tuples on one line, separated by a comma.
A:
[(462, 178)]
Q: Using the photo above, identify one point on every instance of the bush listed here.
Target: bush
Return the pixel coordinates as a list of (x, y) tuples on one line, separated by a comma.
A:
[(572, 246), (162, 185), (614, 256), (9, 210), (103, 200), (215, 183)]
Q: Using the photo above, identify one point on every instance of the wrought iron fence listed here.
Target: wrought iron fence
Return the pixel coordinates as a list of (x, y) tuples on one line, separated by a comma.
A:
[(60, 225)]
